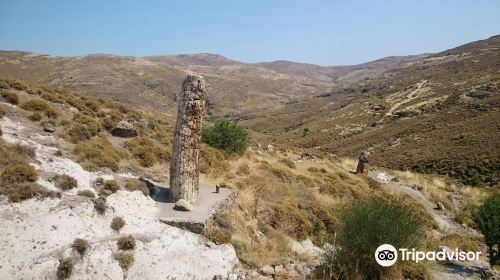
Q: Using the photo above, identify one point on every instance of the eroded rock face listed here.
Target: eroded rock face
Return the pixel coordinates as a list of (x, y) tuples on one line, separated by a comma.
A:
[(184, 166), (125, 129)]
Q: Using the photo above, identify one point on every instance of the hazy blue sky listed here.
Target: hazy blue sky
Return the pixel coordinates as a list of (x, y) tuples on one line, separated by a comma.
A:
[(320, 32)]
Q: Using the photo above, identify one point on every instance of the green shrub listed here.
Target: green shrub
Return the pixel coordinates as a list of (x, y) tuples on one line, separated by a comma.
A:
[(126, 242), (35, 117), (10, 97), (65, 268), (98, 152), (227, 136), (488, 221), (117, 223), (475, 181), (19, 173), (65, 182), (365, 226), (80, 245), (36, 105), (125, 260), (111, 185), (86, 193)]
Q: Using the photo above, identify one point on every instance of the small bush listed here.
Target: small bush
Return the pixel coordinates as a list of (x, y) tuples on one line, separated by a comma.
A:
[(86, 193), (137, 185), (92, 124), (475, 181), (15, 84), (80, 245), (65, 268), (65, 182), (243, 169), (10, 97), (488, 221), (51, 114), (216, 234), (146, 151), (111, 185), (364, 226), (313, 169), (19, 173), (288, 162), (98, 152), (36, 105), (126, 242), (35, 117), (100, 205), (291, 219), (125, 260), (227, 136), (117, 223), (79, 132)]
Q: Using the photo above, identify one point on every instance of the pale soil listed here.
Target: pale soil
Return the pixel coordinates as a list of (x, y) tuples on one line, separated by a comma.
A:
[(36, 233)]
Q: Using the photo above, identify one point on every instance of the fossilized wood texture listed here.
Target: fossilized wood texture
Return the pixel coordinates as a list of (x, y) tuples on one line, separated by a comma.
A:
[(184, 165)]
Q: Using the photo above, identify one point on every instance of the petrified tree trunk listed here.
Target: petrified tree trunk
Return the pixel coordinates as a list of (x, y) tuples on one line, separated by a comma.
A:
[(363, 159), (184, 167)]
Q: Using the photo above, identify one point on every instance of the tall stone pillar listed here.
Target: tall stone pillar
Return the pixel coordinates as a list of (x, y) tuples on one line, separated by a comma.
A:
[(363, 159), (184, 165)]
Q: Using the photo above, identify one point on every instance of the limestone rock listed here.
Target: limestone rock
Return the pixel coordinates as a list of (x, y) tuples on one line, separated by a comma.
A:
[(267, 270), (125, 129), (49, 127), (184, 166), (183, 205)]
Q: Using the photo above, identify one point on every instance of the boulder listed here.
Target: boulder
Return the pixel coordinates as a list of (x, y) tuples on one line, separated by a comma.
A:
[(183, 205), (125, 129)]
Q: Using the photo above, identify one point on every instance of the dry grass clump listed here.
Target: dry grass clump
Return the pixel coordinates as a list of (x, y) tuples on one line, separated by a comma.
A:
[(65, 182), (117, 223), (86, 193), (98, 152), (125, 260), (213, 162), (100, 205), (15, 84), (9, 97), (36, 105), (65, 268), (137, 185), (288, 162), (78, 132), (111, 185), (51, 114), (146, 151), (80, 245), (462, 242), (217, 234), (2, 113), (126, 242), (243, 169), (35, 117)]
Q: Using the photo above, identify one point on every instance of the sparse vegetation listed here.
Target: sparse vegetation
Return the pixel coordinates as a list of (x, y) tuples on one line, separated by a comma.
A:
[(288, 162), (227, 136), (92, 125), (126, 242), (117, 223), (125, 259), (80, 245), (35, 117), (488, 221), (65, 268), (65, 182), (18, 173), (146, 151), (9, 97)]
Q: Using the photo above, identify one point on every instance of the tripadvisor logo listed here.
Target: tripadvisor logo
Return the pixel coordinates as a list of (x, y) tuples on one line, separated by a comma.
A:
[(387, 255)]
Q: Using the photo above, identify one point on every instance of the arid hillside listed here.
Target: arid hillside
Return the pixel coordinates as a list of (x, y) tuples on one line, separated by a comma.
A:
[(235, 88), (439, 114)]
